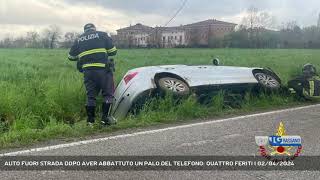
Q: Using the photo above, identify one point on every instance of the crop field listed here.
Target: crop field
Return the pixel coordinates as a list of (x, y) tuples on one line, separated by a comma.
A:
[(42, 95)]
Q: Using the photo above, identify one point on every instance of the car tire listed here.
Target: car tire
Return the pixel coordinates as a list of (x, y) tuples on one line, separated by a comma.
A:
[(173, 85), (267, 80)]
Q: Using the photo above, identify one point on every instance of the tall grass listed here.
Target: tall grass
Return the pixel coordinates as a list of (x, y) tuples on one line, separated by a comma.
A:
[(42, 95)]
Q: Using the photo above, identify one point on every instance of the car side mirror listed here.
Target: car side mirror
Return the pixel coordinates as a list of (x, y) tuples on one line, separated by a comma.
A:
[(216, 62)]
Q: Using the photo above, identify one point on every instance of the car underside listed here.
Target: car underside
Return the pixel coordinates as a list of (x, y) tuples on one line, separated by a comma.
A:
[(138, 85)]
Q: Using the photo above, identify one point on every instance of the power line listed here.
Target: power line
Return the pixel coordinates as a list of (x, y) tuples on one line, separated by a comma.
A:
[(177, 12), (172, 18)]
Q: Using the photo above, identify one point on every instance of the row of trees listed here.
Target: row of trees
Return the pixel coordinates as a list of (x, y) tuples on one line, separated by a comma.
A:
[(51, 37), (295, 37)]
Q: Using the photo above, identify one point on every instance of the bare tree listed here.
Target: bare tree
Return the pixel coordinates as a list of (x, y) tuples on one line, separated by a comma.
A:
[(250, 21), (69, 39), (266, 20), (287, 26), (32, 39), (19, 42), (257, 19), (51, 36), (7, 42), (257, 22)]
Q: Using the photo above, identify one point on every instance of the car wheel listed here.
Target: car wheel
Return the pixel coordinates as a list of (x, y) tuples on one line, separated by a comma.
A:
[(173, 85), (267, 80)]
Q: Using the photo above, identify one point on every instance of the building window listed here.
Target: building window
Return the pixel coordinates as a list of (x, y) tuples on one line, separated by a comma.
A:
[(163, 38), (175, 37)]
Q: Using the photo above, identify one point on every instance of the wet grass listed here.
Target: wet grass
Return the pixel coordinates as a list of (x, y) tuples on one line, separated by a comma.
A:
[(42, 95)]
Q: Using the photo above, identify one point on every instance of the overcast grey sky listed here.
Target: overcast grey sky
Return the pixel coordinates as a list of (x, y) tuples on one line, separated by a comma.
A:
[(19, 16)]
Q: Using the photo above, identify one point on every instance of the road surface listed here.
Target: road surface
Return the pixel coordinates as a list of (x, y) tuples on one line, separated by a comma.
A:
[(232, 136)]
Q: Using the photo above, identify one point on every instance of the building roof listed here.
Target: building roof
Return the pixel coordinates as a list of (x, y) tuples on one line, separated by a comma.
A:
[(144, 28), (175, 28), (209, 22), (136, 27)]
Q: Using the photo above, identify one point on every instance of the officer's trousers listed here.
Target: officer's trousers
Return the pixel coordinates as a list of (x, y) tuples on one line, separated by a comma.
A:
[(96, 81)]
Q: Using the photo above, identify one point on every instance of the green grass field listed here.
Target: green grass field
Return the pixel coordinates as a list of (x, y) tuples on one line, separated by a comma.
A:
[(42, 94)]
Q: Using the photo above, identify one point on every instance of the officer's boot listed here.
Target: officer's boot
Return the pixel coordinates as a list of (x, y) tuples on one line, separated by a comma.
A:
[(106, 120), (91, 114)]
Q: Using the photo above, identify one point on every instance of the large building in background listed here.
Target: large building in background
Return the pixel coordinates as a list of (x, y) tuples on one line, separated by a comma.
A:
[(133, 36), (201, 33)]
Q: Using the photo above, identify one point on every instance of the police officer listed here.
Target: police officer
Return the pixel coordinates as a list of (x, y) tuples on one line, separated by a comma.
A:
[(308, 84), (92, 50)]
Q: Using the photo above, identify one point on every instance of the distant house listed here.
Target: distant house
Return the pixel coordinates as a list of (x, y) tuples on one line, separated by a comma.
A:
[(195, 34), (133, 36), (201, 33), (171, 36)]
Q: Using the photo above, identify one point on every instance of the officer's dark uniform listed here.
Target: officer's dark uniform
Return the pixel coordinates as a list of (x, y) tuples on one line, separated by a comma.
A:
[(306, 85), (91, 50)]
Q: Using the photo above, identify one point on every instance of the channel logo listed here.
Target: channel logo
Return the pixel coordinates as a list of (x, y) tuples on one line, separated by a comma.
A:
[(279, 144), (285, 140)]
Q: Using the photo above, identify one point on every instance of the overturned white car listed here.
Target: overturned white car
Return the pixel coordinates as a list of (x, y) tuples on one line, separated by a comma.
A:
[(183, 79)]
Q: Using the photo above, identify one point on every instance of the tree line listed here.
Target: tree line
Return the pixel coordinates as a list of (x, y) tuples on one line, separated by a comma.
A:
[(50, 38), (288, 37)]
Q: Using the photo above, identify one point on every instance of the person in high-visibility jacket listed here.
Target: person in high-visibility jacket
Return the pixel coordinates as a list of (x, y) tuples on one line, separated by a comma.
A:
[(92, 50), (308, 84)]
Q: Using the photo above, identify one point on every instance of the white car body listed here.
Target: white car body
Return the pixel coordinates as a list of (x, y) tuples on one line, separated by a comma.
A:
[(144, 83)]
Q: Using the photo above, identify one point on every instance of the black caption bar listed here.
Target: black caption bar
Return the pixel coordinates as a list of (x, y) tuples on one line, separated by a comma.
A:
[(138, 163)]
